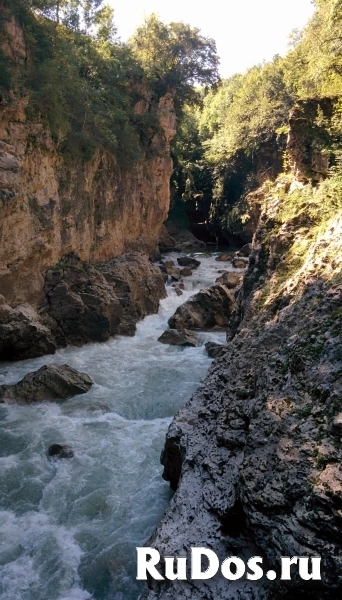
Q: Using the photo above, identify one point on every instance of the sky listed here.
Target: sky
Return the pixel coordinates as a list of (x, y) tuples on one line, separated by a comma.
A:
[(246, 31)]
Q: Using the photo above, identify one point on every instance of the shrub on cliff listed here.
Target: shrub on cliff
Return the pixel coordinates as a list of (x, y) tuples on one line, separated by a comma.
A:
[(85, 83)]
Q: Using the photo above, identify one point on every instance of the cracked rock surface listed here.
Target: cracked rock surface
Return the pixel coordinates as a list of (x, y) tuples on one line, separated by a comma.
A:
[(255, 456)]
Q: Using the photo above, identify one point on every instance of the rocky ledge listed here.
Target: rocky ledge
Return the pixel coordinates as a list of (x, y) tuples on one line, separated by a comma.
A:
[(82, 303)]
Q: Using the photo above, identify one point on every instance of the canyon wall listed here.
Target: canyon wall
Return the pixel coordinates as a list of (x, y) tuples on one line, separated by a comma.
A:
[(255, 455), (50, 207)]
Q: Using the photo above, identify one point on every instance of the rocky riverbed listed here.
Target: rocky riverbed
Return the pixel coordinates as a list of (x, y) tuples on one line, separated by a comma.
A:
[(81, 484)]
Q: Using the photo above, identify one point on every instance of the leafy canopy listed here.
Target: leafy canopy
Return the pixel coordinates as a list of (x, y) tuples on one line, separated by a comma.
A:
[(175, 57)]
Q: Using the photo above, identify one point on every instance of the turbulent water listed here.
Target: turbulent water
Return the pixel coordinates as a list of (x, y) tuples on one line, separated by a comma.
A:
[(69, 528)]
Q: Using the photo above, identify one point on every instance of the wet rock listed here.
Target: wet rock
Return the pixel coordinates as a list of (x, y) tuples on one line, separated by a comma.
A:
[(82, 303), (166, 241), (336, 426), (226, 257), (245, 250), (186, 272), (52, 382), (255, 455), (230, 279), (239, 263), (178, 337), (214, 350), (92, 303), (173, 272), (168, 263), (178, 291), (206, 309), (23, 334), (59, 451), (187, 261), (184, 239)]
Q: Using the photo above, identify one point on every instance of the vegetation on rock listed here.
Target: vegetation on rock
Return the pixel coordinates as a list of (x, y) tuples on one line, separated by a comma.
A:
[(237, 140), (85, 83)]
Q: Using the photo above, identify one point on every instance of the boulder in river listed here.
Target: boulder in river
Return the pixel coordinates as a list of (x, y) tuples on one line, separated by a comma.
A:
[(186, 272), (245, 250), (187, 261), (178, 337), (168, 263), (230, 279), (239, 263), (22, 334), (206, 309), (52, 382), (59, 451), (226, 257)]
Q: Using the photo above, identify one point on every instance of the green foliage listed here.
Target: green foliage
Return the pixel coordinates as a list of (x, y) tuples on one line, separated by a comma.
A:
[(84, 83), (243, 122), (314, 66), (175, 57), (245, 112)]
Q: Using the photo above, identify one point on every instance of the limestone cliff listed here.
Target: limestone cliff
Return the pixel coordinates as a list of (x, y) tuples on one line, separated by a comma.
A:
[(49, 208), (53, 206), (255, 455)]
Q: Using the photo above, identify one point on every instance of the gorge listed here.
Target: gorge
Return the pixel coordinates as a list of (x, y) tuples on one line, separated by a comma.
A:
[(125, 340)]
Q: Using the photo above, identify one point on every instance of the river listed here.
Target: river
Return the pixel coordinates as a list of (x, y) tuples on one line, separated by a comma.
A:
[(69, 528)]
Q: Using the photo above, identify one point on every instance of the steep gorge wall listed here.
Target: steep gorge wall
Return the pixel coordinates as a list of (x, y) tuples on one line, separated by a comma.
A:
[(255, 455), (50, 207)]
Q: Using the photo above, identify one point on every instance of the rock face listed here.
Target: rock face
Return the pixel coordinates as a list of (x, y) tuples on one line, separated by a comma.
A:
[(230, 279), (209, 308), (53, 382), (179, 337), (306, 142), (96, 208), (214, 350), (22, 333), (82, 303), (255, 456), (239, 263)]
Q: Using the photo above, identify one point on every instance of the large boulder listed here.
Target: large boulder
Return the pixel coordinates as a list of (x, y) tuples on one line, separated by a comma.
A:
[(181, 337), (91, 303), (239, 263), (186, 272), (230, 279), (226, 257), (166, 241), (187, 261), (206, 309), (22, 333), (245, 250), (82, 303), (53, 382)]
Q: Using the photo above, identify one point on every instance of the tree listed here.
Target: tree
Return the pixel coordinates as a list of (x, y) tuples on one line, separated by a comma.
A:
[(175, 57)]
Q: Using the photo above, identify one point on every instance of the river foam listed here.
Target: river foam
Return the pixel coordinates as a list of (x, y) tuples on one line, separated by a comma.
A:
[(69, 528)]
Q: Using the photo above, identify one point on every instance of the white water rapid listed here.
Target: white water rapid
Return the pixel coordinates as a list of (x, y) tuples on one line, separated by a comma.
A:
[(69, 528)]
